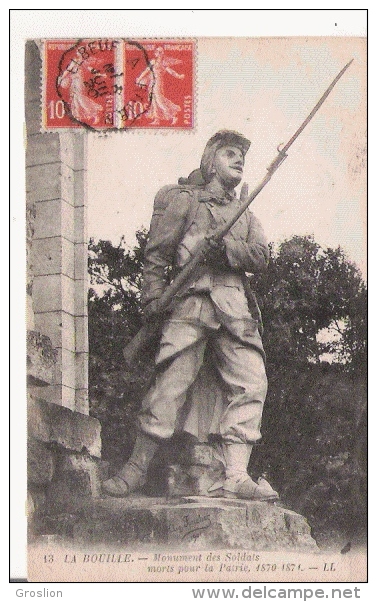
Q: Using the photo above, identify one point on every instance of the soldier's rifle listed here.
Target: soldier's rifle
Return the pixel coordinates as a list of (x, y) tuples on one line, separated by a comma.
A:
[(140, 341)]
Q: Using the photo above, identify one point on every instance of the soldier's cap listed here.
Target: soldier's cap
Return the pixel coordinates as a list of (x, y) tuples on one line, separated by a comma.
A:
[(220, 139)]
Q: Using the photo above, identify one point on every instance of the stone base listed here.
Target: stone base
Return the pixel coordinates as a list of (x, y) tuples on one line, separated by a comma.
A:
[(53, 424), (183, 468), (195, 480), (63, 458), (187, 523)]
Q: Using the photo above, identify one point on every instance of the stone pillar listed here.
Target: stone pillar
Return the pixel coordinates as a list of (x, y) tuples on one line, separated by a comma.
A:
[(64, 442), (56, 197)]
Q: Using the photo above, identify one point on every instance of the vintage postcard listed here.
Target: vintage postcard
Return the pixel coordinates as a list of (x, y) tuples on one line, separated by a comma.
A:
[(196, 285)]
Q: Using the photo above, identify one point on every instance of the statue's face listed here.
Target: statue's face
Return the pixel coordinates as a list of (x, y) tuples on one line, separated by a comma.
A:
[(228, 165)]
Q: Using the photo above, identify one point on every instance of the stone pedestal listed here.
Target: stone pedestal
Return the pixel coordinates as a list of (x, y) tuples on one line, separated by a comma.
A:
[(186, 523), (198, 470), (64, 450), (64, 447), (184, 467), (189, 515)]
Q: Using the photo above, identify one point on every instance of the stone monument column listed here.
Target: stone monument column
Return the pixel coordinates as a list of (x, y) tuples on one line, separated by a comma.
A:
[(64, 443), (57, 258)]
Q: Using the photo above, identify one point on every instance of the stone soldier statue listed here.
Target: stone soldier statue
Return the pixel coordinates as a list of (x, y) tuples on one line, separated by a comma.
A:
[(213, 314)]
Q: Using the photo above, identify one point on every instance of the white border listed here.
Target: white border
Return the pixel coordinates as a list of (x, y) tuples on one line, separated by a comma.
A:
[(59, 23)]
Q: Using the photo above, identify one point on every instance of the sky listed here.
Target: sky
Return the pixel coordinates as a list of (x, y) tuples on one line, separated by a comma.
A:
[(264, 88)]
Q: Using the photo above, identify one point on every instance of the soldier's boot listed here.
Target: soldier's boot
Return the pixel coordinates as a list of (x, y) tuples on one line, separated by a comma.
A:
[(133, 474), (238, 484)]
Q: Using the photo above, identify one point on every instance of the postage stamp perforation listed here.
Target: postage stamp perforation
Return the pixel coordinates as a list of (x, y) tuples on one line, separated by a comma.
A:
[(42, 97)]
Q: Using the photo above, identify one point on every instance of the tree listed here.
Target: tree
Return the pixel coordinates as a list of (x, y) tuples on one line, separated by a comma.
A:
[(114, 304), (307, 289), (114, 317), (313, 417)]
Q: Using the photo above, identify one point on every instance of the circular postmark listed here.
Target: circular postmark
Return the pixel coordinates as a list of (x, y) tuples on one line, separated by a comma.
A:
[(91, 83)]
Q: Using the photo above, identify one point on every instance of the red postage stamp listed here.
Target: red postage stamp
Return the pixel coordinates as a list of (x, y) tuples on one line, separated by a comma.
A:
[(163, 89), (79, 84), (118, 84)]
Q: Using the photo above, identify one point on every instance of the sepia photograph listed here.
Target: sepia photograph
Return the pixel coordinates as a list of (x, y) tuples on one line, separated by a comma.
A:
[(196, 236)]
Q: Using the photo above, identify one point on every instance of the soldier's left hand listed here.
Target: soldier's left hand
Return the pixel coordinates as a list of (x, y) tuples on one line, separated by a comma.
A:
[(217, 256), (217, 245)]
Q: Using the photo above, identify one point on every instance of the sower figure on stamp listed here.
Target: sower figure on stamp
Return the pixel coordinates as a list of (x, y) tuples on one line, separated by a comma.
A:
[(213, 314)]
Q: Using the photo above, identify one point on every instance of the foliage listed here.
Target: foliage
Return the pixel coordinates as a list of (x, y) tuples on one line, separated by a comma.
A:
[(114, 317), (314, 420), (313, 409), (114, 305), (305, 290)]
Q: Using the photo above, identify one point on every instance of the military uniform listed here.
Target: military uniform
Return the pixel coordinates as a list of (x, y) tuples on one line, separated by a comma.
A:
[(213, 312)]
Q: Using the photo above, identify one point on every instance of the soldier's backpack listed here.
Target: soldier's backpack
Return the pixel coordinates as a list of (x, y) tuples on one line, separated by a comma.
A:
[(166, 194)]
